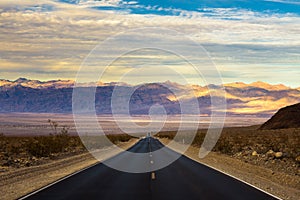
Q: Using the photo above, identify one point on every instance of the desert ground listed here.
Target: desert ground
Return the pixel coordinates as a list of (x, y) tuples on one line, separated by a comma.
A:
[(267, 159), (31, 124)]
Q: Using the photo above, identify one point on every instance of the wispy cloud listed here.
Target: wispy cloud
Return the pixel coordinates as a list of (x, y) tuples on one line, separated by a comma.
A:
[(295, 2), (53, 38)]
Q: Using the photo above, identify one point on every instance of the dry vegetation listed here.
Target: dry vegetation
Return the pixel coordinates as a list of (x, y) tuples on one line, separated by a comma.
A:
[(278, 150), (22, 151)]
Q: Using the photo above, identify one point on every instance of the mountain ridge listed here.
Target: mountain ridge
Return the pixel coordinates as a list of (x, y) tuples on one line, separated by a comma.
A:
[(70, 83), (287, 117), (258, 98)]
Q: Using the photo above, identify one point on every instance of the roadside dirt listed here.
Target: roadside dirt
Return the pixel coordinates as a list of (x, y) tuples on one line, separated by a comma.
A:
[(280, 184), (16, 183)]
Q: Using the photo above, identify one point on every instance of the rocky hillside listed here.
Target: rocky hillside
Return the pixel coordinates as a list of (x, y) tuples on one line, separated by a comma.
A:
[(287, 117), (260, 99)]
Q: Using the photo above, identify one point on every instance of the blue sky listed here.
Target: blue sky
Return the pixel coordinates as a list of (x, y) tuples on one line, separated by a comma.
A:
[(173, 7), (247, 40)]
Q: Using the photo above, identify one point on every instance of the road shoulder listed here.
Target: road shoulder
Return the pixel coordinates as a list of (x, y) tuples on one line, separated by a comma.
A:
[(279, 184), (19, 182)]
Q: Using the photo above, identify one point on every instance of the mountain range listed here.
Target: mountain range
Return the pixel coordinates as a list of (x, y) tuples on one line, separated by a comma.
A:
[(258, 98)]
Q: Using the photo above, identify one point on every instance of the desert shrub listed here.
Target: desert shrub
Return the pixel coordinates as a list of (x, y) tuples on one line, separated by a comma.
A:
[(15, 149), (38, 147), (44, 146), (100, 141), (119, 138), (224, 146), (199, 138), (234, 140), (166, 134)]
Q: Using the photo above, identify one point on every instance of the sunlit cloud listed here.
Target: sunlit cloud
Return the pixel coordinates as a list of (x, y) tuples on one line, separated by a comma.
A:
[(51, 39)]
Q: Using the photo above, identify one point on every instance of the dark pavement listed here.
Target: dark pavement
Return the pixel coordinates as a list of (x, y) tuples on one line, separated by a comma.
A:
[(184, 179)]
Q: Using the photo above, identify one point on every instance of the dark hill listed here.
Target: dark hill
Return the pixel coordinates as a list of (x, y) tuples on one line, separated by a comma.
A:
[(287, 117)]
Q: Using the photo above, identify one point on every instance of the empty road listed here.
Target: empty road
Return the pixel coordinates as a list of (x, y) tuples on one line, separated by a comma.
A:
[(184, 179)]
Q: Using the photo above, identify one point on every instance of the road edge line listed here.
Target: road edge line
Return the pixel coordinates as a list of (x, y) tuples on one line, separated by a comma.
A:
[(57, 181), (66, 177), (229, 175), (243, 181)]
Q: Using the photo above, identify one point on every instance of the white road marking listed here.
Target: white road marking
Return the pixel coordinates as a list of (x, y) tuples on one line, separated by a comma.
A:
[(238, 179), (66, 177), (59, 180), (230, 176), (153, 175)]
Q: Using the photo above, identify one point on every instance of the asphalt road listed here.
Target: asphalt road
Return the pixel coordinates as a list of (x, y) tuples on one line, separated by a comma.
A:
[(184, 179)]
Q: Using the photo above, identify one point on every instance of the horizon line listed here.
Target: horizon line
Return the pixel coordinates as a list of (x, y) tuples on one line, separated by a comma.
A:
[(130, 84)]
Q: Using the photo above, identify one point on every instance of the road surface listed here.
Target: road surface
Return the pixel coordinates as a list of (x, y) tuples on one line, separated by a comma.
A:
[(184, 179)]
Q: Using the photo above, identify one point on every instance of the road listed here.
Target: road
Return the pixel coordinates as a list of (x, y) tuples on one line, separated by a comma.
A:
[(184, 179)]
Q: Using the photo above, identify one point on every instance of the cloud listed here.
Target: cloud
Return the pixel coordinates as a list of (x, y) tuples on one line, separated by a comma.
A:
[(294, 2), (91, 3), (53, 38)]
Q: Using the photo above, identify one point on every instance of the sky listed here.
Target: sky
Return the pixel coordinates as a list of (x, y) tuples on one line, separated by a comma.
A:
[(247, 41)]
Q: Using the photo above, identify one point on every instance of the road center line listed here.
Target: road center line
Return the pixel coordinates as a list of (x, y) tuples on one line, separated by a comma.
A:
[(153, 176)]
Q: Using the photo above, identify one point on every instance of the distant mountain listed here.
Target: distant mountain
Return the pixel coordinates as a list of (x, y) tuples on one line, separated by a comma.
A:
[(287, 117), (260, 99), (51, 84), (59, 100), (36, 84), (258, 84)]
